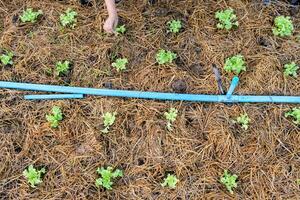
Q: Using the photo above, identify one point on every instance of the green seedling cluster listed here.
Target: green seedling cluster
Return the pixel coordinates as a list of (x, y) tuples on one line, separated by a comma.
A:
[(33, 175), (283, 26), (171, 117), (244, 121), (229, 181), (174, 26), (106, 177), (68, 19), (6, 59), (291, 69), (227, 19), (108, 121), (30, 16), (170, 181), (120, 64), (163, 57), (55, 117), (62, 67), (235, 64), (294, 113), (121, 29)]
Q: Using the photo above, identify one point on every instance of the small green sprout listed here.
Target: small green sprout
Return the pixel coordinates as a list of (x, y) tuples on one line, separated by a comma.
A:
[(120, 64), (227, 19), (163, 56), (298, 181), (229, 181), (283, 26), (243, 120), (291, 69), (235, 64), (62, 67), (174, 26), (30, 16), (55, 117), (295, 113), (108, 120), (170, 181), (171, 117), (33, 175), (121, 29), (6, 59), (68, 18), (106, 176)]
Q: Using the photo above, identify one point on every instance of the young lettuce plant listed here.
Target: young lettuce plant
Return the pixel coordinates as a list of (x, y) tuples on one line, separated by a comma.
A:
[(294, 113), (6, 59), (291, 69), (120, 64), (108, 120), (68, 18), (55, 118), (170, 181), (62, 67), (227, 19), (235, 64), (106, 177), (283, 26), (121, 29), (229, 181), (163, 56), (171, 117), (30, 16), (174, 26), (243, 120), (33, 175)]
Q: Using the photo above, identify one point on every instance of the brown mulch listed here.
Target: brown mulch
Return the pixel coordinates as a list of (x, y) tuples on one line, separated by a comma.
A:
[(204, 141)]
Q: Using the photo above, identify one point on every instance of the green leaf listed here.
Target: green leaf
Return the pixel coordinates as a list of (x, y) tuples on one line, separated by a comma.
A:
[(121, 29), (170, 181), (171, 117), (68, 18), (291, 69), (62, 67), (55, 117), (235, 64), (30, 16), (294, 113), (227, 19), (6, 59), (120, 64), (106, 177), (283, 26), (108, 120), (244, 120), (174, 26), (229, 181), (163, 57), (33, 175)]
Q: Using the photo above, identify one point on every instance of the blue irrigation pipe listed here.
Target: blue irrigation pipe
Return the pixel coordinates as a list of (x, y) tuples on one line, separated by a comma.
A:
[(53, 96), (234, 84), (151, 95)]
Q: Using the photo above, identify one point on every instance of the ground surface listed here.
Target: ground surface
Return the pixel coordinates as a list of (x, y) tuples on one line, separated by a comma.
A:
[(204, 141)]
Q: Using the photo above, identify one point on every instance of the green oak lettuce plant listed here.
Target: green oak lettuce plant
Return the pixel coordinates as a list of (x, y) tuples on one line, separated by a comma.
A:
[(291, 69), (107, 176), (243, 120), (33, 175), (62, 67), (6, 59), (30, 16), (121, 29), (227, 19), (55, 117), (235, 64), (163, 57), (108, 121), (283, 26), (294, 113), (229, 181), (171, 117), (120, 64), (170, 181), (174, 26), (68, 19)]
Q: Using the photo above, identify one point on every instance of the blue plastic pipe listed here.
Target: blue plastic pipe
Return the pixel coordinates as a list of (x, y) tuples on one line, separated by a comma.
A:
[(234, 84), (53, 96), (150, 95)]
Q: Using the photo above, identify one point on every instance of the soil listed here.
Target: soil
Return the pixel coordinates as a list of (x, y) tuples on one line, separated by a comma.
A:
[(204, 141)]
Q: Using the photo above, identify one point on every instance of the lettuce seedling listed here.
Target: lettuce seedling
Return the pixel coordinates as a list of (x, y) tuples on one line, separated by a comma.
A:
[(295, 113), (291, 69), (106, 177), (298, 181), (227, 19), (120, 64), (163, 57), (174, 26), (235, 64), (121, 29), (30, 16), (108, 120), (229, 181), (68, 18), (55, 118), (62, 67), (283, 26), (243, 120), (171, 117), (33, 175), (170, 181), (6, 59)]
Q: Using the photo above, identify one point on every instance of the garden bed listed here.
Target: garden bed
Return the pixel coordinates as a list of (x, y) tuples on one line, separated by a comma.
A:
[(204, 140)]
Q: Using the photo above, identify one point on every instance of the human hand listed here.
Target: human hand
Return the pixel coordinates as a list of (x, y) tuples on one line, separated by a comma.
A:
[(111, 23)]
